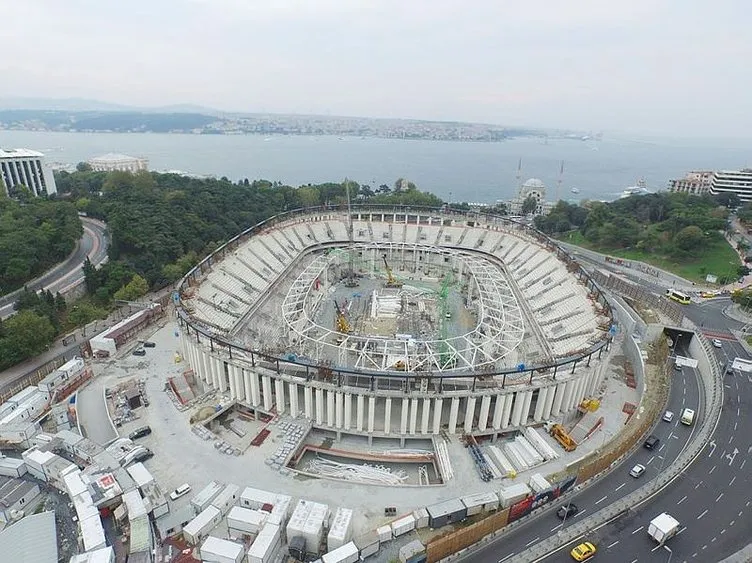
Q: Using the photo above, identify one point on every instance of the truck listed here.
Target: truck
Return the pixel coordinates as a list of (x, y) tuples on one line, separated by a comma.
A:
[(663, 527)]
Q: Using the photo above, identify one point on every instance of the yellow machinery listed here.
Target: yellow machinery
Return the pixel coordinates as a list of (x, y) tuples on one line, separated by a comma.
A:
[(589, 405), (343, 325), (399, 365), (391, 281), (560, 434)]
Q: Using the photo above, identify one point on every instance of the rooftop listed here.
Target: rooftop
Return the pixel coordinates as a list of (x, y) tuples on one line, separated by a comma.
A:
[(19, 153), (30, 540), (114, 157)]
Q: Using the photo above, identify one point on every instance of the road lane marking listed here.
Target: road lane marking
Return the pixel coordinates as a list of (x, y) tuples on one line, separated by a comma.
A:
[(634, 560), (619, 487), (719, 497), (682, 499), (714, 538), (723, 531), (638, 529), (650, 460), (698, 484), (704, 512), (711, 470), (741, 512), (662, 446), (731, 438), (531, 542), (601, 500), (737, 411), (680, 531), (507, 557), (732, 482), (742, 465), (735, 423), (580, 513), (732, 522), (557, 527), (613, 544)]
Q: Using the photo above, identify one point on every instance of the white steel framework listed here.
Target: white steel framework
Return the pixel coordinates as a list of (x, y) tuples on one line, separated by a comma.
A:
[(499, 330)]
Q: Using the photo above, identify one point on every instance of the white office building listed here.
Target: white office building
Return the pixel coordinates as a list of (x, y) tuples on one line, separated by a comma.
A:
[(738, 182), (23, 167), (122, 162)]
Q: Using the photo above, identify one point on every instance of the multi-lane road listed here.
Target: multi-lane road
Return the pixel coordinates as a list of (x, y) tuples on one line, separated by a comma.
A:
[(93, 244), (711, 498)]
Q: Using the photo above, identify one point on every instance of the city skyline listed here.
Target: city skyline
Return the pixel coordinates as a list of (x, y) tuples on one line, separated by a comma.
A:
[(647, 67)]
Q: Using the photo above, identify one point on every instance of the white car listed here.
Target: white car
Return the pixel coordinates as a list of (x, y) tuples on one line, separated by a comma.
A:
[(182, 490), (668, 416), (717, 343), (637, 470)]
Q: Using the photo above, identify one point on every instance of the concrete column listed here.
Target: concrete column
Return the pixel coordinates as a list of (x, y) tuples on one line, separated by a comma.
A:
[(469, 414), (387, 415), (339, 409), (498, 411), (360, 407), (540, 404), (212, 368), (426, 415), (218, 374), (507, 416), (561, 389), (255, 390), (526, 407), (485, 405), (279, 389), (371, 413), (348, 411), (308, 401), (549, 402), (247, 385), (437, 404), (453, 411), (330, 413), (294, 400), (403, 422), (266, 385), (413, 415), (239, 387), (207, 371), (319, 407), (568, 392), (519, 403), (233, 389)]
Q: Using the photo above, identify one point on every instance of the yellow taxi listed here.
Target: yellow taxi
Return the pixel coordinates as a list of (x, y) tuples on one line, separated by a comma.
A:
[(583, 552)]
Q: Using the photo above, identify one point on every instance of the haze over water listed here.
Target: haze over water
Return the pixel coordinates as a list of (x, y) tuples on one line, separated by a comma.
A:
[(457, 171)]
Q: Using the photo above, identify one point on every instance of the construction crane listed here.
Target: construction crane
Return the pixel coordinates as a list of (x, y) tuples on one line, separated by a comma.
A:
[(342, 324), (391, 281)]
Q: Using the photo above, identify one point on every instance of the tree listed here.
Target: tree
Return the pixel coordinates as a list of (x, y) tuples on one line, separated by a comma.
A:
[(28, 334), (91, 279), (83, 167), (136, 288), (727, 199), (689, 238), (82, 313), (529, 205)]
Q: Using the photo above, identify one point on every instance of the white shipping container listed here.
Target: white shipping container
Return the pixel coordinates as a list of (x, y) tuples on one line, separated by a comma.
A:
[(403, 525), (256, 498), (384, 532), (12, 467), (246, 520), (340, 532), (198, 528), (281, 511), (421, 517), (226, 498), (513, 493), (265, 545), (480, 502), (347, 553), (217, 550), (368, 544), (205, 497), (538, 483)]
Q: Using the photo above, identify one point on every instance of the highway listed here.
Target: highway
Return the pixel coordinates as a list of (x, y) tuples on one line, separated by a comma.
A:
[(711, 500), (93, 244), (673, 436)]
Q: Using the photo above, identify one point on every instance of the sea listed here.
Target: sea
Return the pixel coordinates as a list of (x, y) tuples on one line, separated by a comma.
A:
[(455, 171)]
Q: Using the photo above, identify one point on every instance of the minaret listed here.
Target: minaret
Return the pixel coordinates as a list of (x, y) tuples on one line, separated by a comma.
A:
[(519, 175), (558, 181)]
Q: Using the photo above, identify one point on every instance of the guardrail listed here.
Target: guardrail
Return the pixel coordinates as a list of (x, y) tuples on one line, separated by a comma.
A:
[(713, 387)]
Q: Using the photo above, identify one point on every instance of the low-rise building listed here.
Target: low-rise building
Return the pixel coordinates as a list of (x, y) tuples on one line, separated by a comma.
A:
[(16, 497), (696, 182), (111, 162)]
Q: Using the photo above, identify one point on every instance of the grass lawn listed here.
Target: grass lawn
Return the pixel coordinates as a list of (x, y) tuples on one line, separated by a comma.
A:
[(717, 258)]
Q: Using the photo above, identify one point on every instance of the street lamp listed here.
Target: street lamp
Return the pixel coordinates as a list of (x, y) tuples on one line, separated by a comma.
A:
[(670, 553)]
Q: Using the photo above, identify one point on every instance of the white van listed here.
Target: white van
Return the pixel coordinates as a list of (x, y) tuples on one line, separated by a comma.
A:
[(688, 417), (182, 490)]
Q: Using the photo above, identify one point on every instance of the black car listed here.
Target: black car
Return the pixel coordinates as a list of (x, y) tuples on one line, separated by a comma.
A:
[(651, 442), (139, 352), (567, 511), (143, 456), (140, 432), (149, 344)]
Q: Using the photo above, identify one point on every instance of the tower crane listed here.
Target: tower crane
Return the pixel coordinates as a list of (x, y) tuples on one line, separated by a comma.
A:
[(391, 281)]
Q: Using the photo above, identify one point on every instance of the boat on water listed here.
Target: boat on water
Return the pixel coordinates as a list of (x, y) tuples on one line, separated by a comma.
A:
[(575, 190), (640, 189)]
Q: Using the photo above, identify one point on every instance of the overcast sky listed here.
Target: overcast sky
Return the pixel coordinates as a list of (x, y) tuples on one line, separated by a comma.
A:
[(676, 67)]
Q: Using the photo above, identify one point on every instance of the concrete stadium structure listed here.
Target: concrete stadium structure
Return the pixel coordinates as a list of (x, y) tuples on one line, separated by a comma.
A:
[(506, 329)]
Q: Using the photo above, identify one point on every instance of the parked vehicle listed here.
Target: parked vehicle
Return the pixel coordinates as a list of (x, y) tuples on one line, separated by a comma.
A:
[(139, 352), (651, 442), (182, 490), (663, 527), (140, 432), (717, 343), (149, 344)]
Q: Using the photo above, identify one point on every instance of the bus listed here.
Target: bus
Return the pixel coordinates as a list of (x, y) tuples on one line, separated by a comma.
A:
[(678, 296)]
